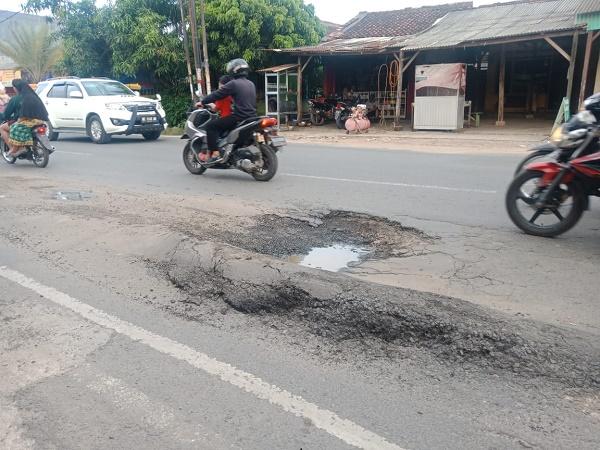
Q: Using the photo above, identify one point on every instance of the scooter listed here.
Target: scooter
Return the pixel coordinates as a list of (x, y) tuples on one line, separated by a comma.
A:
[(38, 153), (251, 147)]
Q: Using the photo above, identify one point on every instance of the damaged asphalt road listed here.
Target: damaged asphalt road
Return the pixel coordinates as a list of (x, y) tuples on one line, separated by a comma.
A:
[(424, 370)]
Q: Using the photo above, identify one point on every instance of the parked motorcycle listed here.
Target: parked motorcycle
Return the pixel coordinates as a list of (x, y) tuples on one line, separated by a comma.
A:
[(38, 153), (251, 147), (548, 198), (322, 109)]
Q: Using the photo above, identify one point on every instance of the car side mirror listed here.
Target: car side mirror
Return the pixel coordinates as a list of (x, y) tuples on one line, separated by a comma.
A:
[(75, 94), (136, 93)]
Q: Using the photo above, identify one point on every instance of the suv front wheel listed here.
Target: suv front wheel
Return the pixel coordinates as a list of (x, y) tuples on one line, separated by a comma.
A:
[(95, 131)]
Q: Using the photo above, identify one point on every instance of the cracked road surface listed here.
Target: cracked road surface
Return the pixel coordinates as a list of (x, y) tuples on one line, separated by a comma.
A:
[(149, 315)]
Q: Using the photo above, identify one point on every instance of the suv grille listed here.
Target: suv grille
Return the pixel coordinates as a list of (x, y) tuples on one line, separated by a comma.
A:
[(140, 108)]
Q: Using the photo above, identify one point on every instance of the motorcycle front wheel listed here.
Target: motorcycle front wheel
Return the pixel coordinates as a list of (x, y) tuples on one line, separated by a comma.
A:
[(317, 119), (537, 155), (270, 164), (560, 213), (191, 162), (5, 153)]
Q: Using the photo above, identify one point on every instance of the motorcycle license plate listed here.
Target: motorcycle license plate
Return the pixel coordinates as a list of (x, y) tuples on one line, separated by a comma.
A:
[(278, 141)]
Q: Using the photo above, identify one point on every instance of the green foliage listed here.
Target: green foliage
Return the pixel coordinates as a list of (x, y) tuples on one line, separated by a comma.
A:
[(144, 37), (176, 106), (246, 28), (33, 49)]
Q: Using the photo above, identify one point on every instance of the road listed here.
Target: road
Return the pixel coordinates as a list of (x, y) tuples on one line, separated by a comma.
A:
[(95, 355)]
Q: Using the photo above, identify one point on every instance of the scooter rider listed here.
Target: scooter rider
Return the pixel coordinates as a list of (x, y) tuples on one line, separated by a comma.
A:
[(243, 93)]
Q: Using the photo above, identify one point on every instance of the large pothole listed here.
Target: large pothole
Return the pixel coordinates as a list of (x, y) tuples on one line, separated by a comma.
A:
[(337, 308), (335, 238)]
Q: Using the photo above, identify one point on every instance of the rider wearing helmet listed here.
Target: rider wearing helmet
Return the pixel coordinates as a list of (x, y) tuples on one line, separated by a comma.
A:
[(243, 93)]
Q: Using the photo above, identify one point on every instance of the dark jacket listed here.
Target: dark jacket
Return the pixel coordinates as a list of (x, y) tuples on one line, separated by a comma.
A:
[(12, 109), (243, 92)]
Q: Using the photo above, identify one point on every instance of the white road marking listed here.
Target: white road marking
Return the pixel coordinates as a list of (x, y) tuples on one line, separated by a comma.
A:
[(344, 429), (388, 183), (73, 153)]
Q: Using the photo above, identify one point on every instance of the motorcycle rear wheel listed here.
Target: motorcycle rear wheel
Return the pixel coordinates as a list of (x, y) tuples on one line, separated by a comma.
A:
[(40, 155), (517, 196), (317, 119), (190, 161), (270, 162)]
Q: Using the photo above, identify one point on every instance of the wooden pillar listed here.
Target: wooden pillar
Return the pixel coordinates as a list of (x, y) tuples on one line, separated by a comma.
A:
[(571, 71), (397, 126), (597, 83), (586, 67), (299, 92), (501, 78)]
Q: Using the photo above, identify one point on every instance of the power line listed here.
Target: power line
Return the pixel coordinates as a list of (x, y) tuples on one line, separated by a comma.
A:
[(10, 17)]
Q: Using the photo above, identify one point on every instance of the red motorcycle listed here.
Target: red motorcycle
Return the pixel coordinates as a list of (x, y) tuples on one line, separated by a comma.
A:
[(548, 198)]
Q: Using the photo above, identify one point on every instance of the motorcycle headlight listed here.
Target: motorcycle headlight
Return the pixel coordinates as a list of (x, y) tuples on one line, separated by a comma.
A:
[(115, 107)]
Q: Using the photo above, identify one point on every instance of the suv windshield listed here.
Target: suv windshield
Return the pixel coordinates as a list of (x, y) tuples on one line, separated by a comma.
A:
[(97, 88)]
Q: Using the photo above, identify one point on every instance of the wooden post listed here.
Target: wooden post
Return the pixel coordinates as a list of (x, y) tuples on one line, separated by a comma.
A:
[(571, 71), (501, 77), (186, 49), (586, 67), (397, 126), (299, 92), (196, 45)]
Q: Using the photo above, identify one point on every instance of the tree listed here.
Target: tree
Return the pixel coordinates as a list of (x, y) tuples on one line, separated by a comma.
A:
[(33, 49), (247, 28)]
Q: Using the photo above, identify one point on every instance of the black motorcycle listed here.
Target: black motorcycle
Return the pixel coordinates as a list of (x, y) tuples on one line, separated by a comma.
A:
[(322, 109), (38, 153), (251, 147)]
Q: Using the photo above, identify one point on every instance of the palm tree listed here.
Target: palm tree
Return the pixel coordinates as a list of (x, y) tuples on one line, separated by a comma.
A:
[(34, 49)]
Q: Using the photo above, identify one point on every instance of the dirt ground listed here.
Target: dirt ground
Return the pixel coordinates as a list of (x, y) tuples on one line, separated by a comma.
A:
[(514, 138)]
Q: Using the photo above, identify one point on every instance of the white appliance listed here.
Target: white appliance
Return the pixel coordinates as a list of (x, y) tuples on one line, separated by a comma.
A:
[(439, 96)]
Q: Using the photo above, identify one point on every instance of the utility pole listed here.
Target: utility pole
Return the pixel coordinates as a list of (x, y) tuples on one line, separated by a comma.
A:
[(195, 44), (186, 48), (205, 47)]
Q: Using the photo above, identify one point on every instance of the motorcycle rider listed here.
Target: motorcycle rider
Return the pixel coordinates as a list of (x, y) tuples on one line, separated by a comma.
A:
[(243, 92)]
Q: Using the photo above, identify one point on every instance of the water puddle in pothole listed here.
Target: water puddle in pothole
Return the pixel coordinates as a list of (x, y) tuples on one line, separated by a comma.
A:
[(72, 195), (333, 258)]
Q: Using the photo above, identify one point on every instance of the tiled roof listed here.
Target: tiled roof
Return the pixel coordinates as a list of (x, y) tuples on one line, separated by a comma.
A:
[(403, 22)]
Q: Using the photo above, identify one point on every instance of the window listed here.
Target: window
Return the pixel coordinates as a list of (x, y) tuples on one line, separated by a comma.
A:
[(40, 87), (58, 91), (99, 87), (72, 88)]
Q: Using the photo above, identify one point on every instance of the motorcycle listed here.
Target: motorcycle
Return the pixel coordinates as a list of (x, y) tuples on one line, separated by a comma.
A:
[(251, 147), (548, 198), (38, 153), (321, 109)]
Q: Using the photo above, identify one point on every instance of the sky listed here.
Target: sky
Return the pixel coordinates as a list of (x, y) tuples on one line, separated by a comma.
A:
[(337, 11)]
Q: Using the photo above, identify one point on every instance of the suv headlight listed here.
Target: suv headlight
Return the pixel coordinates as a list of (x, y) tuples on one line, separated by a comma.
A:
[(115, 106)]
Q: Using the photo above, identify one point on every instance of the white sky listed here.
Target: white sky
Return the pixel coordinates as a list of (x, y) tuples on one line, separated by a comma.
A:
[(338, 11)]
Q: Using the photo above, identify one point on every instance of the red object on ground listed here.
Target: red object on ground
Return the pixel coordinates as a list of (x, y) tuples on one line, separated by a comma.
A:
[(224, 106)]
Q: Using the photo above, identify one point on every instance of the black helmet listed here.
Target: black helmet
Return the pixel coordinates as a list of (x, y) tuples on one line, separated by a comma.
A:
[(238, 67)]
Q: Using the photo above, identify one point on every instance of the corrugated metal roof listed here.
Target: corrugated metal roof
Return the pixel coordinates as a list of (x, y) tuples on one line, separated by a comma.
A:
[(355, 46), (588, 6), (281, 68), (492, 23)]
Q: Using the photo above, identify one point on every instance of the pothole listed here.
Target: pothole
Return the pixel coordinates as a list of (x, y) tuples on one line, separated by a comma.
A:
[(72, 195), (334, 258), (331, 240)]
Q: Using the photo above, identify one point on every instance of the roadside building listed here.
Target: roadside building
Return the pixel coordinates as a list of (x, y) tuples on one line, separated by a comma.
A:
[(522, 58)]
